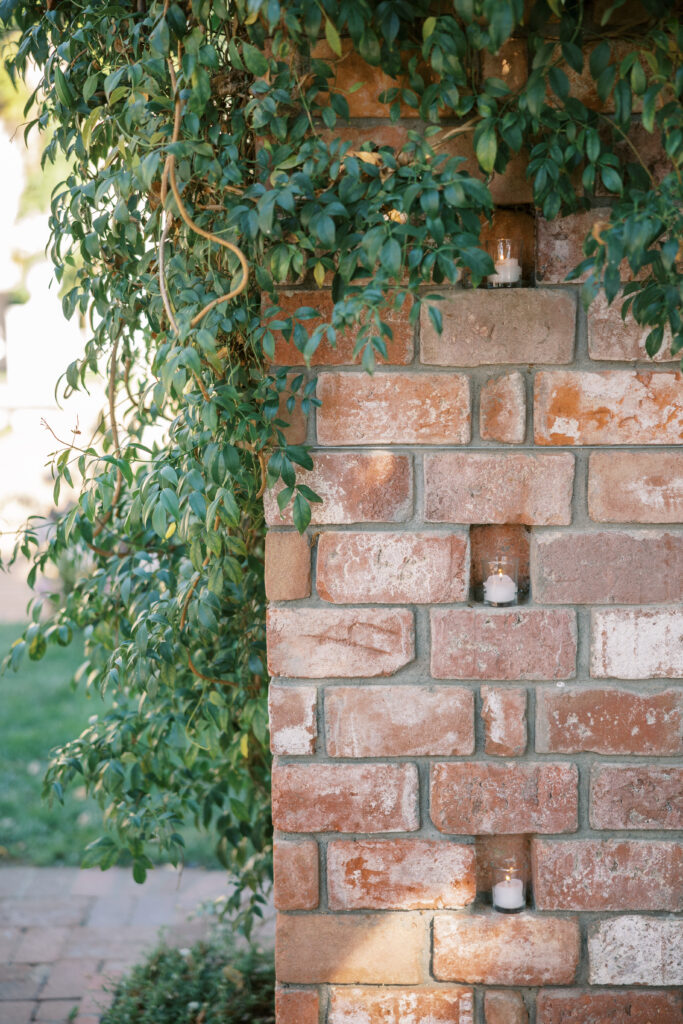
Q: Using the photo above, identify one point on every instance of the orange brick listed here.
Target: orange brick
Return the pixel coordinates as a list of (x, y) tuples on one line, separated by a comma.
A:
[(581, 1006), (510, 63), (314, 643), (470, 798), (349, 71), (493, 949), (377, 949), (393, 408), (636, 487), (612, 407), (356, 487), (504, 714), (295, 874), (502, 409), (293, 724), (505, 1008), (399, 721), (588, 874), (296, 1007), (444, 1005), (399, 874), (345, 798), (519, 643), (390, 568), (288, 566)]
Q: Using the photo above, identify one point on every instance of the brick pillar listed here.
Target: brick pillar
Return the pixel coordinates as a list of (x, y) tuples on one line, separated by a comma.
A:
[(417, 732)]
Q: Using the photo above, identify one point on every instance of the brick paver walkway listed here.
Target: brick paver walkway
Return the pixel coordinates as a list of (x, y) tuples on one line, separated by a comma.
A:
[(66, 934)]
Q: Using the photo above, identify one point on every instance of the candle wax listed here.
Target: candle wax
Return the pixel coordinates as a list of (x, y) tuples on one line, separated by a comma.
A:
[(509, 895), (500, 588), (507, 272)]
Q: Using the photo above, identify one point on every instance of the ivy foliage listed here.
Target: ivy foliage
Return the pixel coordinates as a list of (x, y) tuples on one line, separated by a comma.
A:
[(202, 133)]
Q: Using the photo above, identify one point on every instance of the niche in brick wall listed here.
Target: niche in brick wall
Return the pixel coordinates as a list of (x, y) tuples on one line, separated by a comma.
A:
[(519, 224), (492, 850), (509, 539)]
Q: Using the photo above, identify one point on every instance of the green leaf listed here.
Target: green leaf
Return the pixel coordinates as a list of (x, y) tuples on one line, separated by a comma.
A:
[(332, 37), (301, 513), (428, 27), (611, 179), (254, 60), (64, 94), (486, 148)]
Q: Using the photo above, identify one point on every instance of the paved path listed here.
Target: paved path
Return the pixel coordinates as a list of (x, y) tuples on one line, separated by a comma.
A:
[(66, 934)]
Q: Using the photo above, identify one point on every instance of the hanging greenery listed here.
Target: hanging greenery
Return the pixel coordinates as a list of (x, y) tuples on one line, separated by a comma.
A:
[(209, 170)]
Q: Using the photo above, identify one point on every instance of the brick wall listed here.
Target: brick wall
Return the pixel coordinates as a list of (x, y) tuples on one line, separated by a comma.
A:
[(417, 734)]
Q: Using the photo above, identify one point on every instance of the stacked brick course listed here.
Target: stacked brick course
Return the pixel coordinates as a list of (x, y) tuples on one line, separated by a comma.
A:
[(413, 727)]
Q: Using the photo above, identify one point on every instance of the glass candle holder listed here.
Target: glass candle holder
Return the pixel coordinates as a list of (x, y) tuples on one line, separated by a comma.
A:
[(509, 888), (500, 581), (506, 254)]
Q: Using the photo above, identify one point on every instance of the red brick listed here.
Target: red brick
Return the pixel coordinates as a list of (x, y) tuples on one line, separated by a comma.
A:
[(356, 487), (495, 949), (505, 1008), (399, 348), (393, 408), (295, 872), (608, 567), (636, 950), (345, 798), (514, 487), (609, 721), (520, 643), (288, 566), (292, 1007), (349, 71), (504, 714), (399, 874), (399, 721), (637, 643), (559, 243), (502, 409), (636, 487), (488, 326), (469, 798), (375, 949), (390, 568), (293, 724), (445, 1005), (612, 407), (317, 642), (594, 1007), (642, 797), (590, 874), (611, 337)]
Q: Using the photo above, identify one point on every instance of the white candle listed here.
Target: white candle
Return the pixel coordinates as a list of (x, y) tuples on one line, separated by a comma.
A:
[(500, 588), (508, 271), (509, 894)]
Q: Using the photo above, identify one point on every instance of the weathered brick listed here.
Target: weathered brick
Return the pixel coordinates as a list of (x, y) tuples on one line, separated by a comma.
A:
[(487, 327), (293, 724), (399, 347), (609, 721), (317, 642), (375, 949), (399, 874), (559, 243), (637, 643), (355, 487), (505, 1008), (611, 337), (612, 407), (349, 71), (445, 1005), (393, 408), (399, 721), (504, 714), (594, 1007), (502, 409), (608, 567), (520, 643), (636, 487), (288, 566), (642, 797), (296, 1007), (295, 875), (591, 874), (635, 950), (511, 487), (470, 798), (345, 798), (415, 568), (493, 949)]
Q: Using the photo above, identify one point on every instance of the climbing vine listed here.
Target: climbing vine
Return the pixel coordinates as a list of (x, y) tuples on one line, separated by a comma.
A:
[(208, 171)]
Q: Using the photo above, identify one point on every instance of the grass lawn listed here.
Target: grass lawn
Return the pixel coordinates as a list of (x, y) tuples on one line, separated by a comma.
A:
[(39, 711)]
